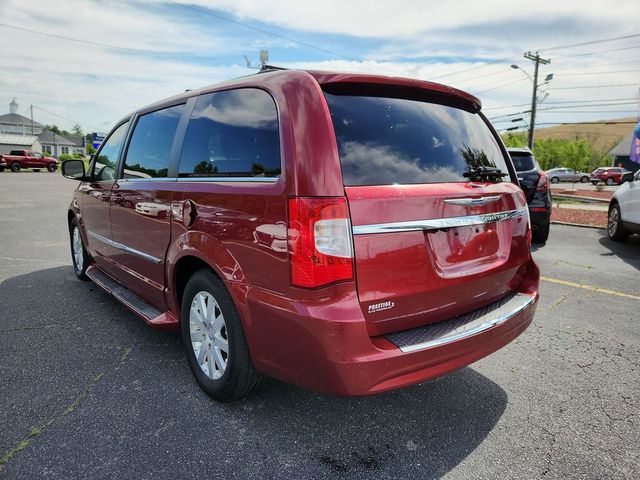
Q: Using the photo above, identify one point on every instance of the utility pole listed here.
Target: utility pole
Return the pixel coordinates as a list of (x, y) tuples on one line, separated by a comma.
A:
[(534, 98), (32, 120)]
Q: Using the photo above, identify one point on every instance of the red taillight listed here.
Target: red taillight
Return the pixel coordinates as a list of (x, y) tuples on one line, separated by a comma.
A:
[(319, 241), (543, 182)]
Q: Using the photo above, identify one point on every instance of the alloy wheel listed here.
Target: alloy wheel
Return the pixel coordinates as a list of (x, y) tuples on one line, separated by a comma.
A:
[(208, 332), (78, 255), (612, 226)]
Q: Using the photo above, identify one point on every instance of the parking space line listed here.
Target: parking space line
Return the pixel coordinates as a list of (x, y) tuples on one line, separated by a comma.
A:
[(590, 288)]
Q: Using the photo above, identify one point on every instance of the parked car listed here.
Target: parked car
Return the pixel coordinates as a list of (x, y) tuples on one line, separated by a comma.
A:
[(404, 251), (624, 208), (608, 175), (566, 175), (3, 164), (19, 159), (535, 184)]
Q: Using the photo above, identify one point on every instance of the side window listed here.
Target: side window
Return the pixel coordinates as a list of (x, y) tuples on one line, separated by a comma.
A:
[(104, 166), (232, 134), (150, 146)]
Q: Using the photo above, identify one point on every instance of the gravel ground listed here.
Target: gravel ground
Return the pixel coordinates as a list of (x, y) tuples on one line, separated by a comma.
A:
[(579, 216), (88, 391)]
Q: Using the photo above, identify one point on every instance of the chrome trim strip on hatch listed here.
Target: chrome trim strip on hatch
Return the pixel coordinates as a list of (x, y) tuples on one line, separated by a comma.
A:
[(439, 223), (486, 325), (472, 202), (120, 246)]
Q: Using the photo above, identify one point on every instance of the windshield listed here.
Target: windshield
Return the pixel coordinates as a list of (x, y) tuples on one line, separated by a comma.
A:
[(383, 141)]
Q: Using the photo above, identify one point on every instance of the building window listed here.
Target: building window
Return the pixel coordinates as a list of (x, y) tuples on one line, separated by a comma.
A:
[(46, 149), (64, 150)]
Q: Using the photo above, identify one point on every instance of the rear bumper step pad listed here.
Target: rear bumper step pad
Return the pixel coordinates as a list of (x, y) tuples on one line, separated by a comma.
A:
[(463, 326)]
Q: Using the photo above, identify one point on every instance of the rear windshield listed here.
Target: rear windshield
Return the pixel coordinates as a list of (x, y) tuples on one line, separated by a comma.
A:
[(384, 141), (523, 162)]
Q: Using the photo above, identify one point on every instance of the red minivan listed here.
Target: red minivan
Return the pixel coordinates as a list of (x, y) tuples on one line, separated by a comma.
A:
[(347, 233)]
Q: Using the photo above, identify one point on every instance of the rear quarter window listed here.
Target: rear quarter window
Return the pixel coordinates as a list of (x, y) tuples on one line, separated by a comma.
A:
[(383, 141), (232, 133), (523, 163)]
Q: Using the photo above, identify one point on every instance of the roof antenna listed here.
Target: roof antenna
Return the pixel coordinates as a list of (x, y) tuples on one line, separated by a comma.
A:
[(264, 58)]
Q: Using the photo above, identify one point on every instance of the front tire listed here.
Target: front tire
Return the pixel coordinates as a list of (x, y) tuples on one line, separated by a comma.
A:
[(540, 234), (555, 180), (584, 179), (79, 254), (15, 167), (52, 167), (609, 181), (594, 183), (214, 339), (615, 229)]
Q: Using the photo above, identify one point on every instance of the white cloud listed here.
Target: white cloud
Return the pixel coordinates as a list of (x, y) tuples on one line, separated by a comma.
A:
[(97, 85)]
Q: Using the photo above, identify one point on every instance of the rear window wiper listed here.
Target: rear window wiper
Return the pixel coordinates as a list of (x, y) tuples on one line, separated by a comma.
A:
[(484, 173)]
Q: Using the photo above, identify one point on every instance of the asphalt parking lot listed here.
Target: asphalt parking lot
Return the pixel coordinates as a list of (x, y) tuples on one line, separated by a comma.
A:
[(88, 391)]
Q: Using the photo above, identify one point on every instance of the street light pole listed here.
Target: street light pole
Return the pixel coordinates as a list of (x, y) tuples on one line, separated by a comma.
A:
[(532, 124)]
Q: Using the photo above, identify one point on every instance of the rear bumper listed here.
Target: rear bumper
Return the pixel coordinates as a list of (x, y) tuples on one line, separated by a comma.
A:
[(323, 345), (539, 217)]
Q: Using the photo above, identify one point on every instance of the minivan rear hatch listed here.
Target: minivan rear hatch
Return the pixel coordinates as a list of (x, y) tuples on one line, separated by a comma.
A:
[(439, 223)]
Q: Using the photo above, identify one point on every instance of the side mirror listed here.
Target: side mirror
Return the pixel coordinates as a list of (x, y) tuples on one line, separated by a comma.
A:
[(626, 177), (73, 169)]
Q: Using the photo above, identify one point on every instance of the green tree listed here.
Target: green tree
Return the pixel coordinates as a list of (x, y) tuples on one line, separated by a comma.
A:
[(77, 130)]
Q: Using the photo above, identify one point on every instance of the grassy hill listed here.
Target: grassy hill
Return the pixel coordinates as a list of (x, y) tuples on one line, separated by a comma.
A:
[(601, 137)]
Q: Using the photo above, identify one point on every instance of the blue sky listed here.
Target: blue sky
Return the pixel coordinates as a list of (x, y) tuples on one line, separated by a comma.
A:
[(136, 52)]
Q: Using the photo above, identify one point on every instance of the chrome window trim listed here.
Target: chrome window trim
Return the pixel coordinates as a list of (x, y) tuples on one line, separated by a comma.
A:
[(439, 223), (125, 248), (230, 179), (201, 179), (490, 323)]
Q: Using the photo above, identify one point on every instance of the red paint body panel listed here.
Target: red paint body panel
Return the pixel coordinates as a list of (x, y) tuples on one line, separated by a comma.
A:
[(319, 338), (140, 219), (443, 272)]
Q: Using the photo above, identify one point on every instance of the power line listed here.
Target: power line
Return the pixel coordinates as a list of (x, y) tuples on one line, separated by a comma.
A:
[(86, 42), (622, 112), (595, 86), (66, 118), (591, 42), (500, 86), (484, 65), (595, 73), (597, 52), (278, 35)]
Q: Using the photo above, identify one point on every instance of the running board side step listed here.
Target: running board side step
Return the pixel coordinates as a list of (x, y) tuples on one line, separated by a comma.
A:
[(463, 326), (151, 315)]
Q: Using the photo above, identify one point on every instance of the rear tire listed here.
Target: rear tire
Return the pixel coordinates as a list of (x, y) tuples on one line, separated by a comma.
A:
[(15, 167), (540, 234), (609, 181), (584, 179), (555, 180), (1, 169), (594, 183), (210, 323), (615, 229)]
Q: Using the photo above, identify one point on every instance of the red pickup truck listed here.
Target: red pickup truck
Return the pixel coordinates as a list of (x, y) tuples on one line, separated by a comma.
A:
[(18, 159)]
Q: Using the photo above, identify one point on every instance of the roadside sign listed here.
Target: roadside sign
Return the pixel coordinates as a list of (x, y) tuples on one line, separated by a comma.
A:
[(97, 139)]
